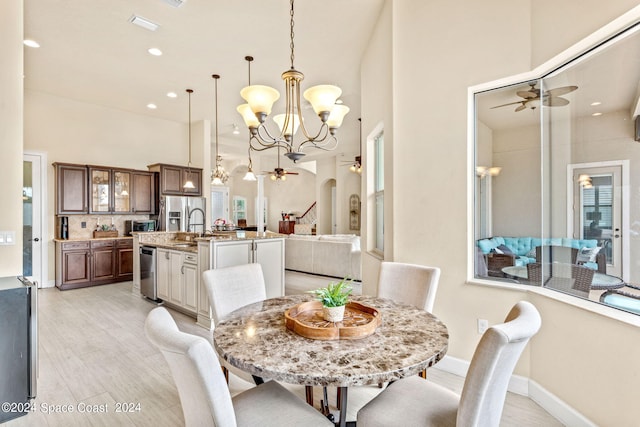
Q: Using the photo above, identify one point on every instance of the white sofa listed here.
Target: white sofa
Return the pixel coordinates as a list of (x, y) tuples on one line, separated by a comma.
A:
[(335, 255)]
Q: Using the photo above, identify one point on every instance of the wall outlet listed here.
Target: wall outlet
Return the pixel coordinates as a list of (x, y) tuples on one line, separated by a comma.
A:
[(83, 224), (483, 325)]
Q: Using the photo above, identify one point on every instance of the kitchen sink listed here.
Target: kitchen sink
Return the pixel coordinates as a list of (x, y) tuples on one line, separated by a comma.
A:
[(184, 245)]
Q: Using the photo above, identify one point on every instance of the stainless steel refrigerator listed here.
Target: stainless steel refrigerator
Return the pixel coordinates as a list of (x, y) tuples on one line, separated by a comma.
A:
[(185, 213), (18, 346)]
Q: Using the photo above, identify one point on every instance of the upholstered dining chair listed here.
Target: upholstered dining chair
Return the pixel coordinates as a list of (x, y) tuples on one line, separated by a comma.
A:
[(204, 395), (409, 283), (413, 401), (230, 288)]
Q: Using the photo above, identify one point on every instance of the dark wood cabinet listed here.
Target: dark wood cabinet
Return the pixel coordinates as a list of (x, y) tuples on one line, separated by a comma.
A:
[(143, 194), (71, 189), (286, 227), (93, 262), (172, 179)]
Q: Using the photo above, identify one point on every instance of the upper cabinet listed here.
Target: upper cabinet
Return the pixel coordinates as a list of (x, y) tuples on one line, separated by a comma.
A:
[(71, 189), (84, 189), (172, 179)]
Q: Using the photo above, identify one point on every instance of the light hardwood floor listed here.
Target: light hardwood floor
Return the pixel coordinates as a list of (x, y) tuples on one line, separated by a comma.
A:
[(94, 355)]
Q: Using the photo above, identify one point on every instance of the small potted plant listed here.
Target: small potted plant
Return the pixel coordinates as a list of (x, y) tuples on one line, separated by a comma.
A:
[(334, 298)]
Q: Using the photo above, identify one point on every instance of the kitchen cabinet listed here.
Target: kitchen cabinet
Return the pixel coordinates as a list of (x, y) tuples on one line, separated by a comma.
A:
[(143, 193), (85, 263), (71, 189), (172, 178), (111, 190), (177, 279)]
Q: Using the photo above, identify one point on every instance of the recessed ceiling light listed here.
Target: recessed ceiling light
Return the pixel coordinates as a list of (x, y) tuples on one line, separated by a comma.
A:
[(172, 94), (593, 104), (596, 114), (31, 43), (155, 51), (143, 22), (152, 106), (174, 3)]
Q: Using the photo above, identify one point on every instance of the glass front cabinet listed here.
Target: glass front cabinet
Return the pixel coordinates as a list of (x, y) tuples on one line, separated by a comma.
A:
[(109, 190)]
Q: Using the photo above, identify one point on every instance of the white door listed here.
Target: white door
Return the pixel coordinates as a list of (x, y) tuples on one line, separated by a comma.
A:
[(597, 210), (34, 250), (219, 203)]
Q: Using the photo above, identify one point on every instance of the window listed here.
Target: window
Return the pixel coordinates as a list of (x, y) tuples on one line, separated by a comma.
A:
[(239, 208), (555, 158), (378, 145), (219, 203)]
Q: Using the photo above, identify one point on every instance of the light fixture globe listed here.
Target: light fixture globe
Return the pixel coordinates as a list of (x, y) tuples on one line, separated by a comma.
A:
[(337, 116), (323, 98), (260, 99), (248, 116), (292, 126)]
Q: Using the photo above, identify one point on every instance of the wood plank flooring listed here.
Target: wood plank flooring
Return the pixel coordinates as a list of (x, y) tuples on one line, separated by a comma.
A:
[(94, 356)]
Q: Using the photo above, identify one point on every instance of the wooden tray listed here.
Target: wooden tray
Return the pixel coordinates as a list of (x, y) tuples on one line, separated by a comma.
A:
[(109, 233), (306, 319)]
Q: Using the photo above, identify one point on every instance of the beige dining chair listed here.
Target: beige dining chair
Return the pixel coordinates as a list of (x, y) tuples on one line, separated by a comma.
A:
[(230, 288), (409, 283), (413, 401), (204, 395)]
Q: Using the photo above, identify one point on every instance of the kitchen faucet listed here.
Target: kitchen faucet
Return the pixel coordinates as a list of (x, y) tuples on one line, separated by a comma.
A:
[(189, 225)]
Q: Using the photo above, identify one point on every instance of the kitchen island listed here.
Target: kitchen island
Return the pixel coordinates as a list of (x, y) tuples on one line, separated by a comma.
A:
[(181, 258)]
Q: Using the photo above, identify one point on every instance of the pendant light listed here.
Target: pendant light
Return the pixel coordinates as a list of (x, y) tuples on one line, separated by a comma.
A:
[(188, 185), (218, 176)]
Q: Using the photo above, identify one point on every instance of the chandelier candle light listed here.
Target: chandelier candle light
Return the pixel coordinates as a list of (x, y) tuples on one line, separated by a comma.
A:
[(218, 176), (260, 100)]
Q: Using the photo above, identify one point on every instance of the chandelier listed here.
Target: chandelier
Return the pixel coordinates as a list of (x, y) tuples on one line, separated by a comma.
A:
[(260, 100), (218, 176)]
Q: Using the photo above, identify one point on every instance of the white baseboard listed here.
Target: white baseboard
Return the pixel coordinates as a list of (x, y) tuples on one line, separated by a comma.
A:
[(525, 387), (48, 284)]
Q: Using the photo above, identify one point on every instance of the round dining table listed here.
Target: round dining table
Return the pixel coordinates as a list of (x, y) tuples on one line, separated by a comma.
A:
[(255, 339)]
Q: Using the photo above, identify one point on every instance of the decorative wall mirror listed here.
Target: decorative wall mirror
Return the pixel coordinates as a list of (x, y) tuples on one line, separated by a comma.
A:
[(552, 154)]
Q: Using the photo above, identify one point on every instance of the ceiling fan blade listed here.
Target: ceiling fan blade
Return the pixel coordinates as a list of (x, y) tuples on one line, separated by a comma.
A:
[(291, 173), (504, 105), (561, 90), (520, 108), (555, 101), (528, 94)]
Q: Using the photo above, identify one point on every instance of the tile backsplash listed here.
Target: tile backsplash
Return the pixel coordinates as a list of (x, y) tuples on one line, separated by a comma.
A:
[(77, 232)]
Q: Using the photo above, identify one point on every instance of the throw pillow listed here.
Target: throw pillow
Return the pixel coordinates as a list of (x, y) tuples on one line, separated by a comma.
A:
[(505, 249), (531, 253), (587, 255)]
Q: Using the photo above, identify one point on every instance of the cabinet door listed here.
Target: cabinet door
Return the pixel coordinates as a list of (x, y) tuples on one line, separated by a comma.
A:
[(176, 284), (102, 264), (269, 253), (75, 267), (190, 277), (124, 263), (121, 191), (163, 271), (101, 190), (172, 180), (143, 193), (71, 189), (228, 254)]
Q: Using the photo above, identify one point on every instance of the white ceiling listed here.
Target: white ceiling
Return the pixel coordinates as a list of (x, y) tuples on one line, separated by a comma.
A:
[(91, 52)]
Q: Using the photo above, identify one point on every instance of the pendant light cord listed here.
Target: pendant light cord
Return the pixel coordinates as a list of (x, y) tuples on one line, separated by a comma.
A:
[(189, 91)]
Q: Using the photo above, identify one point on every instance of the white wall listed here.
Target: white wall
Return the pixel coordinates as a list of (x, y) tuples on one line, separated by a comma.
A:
[(11, 134)]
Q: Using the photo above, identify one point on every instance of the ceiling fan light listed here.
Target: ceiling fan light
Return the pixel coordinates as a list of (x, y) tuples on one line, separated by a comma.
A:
[(260, 98), (273, 178), (322, 97), (293, 124), (353, 167), (337, 115), (283, 177), (248, 116)]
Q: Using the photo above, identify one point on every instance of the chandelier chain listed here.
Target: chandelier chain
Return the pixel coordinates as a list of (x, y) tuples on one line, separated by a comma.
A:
[(291, 45)]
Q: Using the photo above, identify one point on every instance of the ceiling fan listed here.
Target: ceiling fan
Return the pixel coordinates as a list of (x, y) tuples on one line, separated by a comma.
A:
[(532, 99), (279, 173)]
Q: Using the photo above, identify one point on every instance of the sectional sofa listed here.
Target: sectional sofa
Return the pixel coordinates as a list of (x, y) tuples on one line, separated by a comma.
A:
[(334, 255), (521, 251)]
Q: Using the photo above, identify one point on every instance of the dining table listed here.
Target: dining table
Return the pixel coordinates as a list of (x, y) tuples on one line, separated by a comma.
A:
[(255, 338)]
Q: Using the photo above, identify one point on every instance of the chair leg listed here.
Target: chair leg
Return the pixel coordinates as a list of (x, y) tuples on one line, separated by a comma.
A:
[(423, 374), (225, 371), (308, 391)]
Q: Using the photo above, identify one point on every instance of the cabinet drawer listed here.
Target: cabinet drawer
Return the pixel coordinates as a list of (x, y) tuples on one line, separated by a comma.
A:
[(101, 244), (124, 243), (70, 246), (190, 259)]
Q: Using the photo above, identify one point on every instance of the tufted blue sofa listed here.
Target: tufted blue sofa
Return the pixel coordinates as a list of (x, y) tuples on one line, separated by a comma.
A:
[(524, 249)]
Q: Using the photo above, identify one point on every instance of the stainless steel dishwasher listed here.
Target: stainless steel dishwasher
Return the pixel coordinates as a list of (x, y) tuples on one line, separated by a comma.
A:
[(148, 274)]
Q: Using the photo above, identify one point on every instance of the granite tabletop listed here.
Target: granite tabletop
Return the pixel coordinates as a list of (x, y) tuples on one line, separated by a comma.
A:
[(255, 339)]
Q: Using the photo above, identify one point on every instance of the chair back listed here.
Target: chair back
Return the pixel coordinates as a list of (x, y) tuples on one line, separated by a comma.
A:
[(485, 387), (409, 283), (230, 288), (204, 395)]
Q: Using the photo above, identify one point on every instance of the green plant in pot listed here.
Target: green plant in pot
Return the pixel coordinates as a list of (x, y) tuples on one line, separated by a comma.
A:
[(334, 298)]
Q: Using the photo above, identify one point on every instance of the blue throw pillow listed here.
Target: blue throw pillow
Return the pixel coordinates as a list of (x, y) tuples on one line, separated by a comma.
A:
[(505, 249)]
